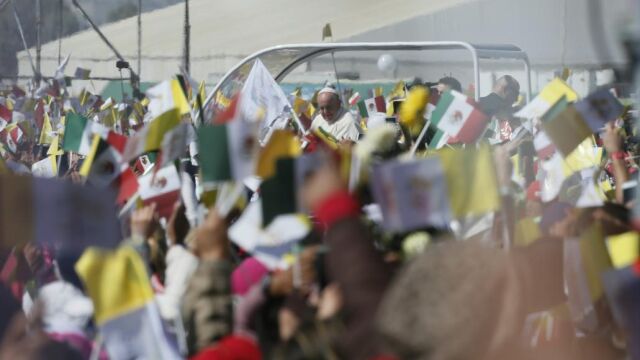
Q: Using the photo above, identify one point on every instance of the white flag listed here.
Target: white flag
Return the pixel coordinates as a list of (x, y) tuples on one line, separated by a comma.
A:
[(262, 97)]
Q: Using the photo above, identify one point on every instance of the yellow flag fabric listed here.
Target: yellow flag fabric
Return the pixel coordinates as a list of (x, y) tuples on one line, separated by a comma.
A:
[(54, 148), (326, 31), (179, 100), (222, 100), (157, 128), (623, 249), (110, 117), (167, 97), (281, 144), (584, 156), (412, 111), (567, 130), (556, 89), (301, 106), (297, 92), (88, 161), (45, 133), (471, 180), (398, 91), (202, 91), (595, 259), (108, 104), (84, 96), (116, 281), (515, 163), (527, 231), (54, 163), (326, 138)]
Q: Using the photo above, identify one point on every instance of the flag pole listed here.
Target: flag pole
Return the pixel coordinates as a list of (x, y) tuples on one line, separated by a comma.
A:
[(423, 133), (139, 37), (187, 34), (38, 39), (60, 20), (134, 78), (24, 42), (335, 70)]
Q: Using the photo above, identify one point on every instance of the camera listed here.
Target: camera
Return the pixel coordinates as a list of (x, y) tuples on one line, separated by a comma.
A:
[(121, 64)]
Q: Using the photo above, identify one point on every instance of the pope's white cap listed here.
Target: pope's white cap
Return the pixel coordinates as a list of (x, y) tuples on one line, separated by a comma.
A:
[(328, 90)]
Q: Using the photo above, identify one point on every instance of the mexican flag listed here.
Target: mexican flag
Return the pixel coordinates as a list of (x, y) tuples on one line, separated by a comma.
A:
[(281, 144), (5, 116), (127, 185), (227, 148), (372, 105), (354, 99), (279, 193), (161, 187), (78, 133), (118, 141), (11, 136), (439, 138), (103, 164), (458, 117)]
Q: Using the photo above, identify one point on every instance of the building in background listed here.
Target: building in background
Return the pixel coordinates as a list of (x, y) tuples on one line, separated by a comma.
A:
[(555, 34)]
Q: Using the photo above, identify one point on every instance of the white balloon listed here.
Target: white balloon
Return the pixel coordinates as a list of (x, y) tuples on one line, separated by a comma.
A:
[(387, 63)]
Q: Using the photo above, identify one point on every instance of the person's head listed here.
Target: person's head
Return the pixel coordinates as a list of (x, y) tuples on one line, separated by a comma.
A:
[(329, 104), (507, 88), (448, 83), (439, 307)]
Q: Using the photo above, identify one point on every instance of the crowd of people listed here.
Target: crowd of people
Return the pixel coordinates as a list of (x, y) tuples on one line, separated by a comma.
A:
[(538, 259)]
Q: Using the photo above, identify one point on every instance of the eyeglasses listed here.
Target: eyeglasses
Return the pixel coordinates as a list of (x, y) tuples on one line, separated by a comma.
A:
[(328, 108)]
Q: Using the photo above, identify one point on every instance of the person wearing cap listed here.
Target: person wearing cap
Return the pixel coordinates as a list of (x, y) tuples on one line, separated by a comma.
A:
[(334, 118)]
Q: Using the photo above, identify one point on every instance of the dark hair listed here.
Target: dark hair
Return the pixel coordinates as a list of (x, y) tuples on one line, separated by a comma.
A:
[(512, 83), (452, 82), (181, 225)]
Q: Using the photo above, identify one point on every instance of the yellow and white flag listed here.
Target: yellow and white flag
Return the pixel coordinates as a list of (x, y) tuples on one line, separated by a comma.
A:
[(118, 285)]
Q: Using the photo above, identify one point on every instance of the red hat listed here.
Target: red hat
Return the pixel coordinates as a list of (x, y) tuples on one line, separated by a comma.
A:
[(232, 347)]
